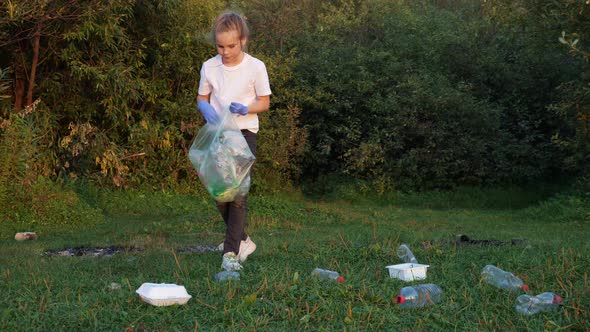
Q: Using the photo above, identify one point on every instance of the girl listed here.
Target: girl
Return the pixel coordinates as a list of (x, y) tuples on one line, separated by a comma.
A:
[(234, 79)]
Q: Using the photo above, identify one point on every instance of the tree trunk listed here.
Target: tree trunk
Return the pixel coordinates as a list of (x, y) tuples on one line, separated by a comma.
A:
[(36, 43)]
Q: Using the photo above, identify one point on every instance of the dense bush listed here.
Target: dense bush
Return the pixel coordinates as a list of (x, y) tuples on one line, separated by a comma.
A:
[(431, 98)]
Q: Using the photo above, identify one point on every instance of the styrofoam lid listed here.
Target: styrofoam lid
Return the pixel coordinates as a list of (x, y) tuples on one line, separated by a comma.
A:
[(406, 266), (162, 291)]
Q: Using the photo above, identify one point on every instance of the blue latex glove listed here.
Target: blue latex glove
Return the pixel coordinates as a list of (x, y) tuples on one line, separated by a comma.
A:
[(238, 108), (208, 112)]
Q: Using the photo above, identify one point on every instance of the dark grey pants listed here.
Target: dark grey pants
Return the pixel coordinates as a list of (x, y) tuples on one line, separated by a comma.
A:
[(234, 213)]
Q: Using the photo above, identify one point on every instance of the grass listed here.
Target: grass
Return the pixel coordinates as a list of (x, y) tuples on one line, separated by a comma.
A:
[(356, 237)]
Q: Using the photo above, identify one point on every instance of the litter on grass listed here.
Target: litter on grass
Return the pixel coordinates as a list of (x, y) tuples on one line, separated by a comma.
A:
[(163, 294), (114, 286), (408, 271), (23, 236), (406, 255)]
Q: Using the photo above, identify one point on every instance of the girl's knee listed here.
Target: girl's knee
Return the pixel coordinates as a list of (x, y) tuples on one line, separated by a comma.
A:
[(240, 202)]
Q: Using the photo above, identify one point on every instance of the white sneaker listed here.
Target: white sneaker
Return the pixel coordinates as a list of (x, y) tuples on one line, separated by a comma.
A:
[(246, 248), (230, 262)]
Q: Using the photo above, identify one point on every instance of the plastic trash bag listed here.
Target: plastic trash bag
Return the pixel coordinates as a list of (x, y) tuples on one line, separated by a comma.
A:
[(222, 158)]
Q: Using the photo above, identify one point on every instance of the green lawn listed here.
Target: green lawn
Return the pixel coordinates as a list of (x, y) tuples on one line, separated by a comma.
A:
[(355, 236)]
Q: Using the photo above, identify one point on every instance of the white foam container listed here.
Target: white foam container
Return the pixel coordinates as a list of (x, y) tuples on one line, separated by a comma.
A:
[(163, 294), (408, 271)]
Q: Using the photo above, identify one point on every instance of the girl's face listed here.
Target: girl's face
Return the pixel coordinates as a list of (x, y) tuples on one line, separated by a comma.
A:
[(229, 46)]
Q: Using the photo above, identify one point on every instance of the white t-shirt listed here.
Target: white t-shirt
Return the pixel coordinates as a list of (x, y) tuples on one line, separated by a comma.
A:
[(241, 83)]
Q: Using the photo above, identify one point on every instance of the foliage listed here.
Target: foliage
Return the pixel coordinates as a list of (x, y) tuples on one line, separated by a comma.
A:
[(574, 105), (30, 198), (420, 101), (569, 22), (403, 94), (24, 138), (281, 139)]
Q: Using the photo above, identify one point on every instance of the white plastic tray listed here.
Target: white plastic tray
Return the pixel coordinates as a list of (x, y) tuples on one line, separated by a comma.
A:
[(163, 294), (408, 271)]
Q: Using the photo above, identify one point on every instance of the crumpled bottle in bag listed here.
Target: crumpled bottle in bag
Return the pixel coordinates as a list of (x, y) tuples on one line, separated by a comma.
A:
[(222, 158)]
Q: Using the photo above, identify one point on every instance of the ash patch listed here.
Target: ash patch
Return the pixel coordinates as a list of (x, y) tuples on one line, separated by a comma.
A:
[(197, 249), (91, 251), (466, 240)]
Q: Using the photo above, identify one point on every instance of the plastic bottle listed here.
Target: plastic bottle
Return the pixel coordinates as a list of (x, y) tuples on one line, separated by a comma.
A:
[(419, 295), (227, 275), (327, 274), (530, 305), (502, 279), (404, 252)]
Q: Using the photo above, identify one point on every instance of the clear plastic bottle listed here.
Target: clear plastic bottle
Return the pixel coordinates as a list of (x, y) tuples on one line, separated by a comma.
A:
[(227, 275), (404, 252), (530, 305), (502, 279), (327, 274), (419, 295)]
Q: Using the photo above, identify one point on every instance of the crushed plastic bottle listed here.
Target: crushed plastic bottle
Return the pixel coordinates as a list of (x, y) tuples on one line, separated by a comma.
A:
[(419, 295), (530, 305), (227, 275), (404, 252), (327, 274), (502, 279)]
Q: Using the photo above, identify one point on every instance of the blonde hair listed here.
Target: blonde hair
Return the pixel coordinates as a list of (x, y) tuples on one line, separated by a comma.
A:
[(230, 21)]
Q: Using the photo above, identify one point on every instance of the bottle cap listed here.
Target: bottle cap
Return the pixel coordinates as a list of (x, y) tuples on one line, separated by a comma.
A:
[(525, 288), (340, 279), (400, 299), (557, 299)]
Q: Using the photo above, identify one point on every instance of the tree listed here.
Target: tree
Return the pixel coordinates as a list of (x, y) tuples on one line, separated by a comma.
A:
[(32, 30)]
